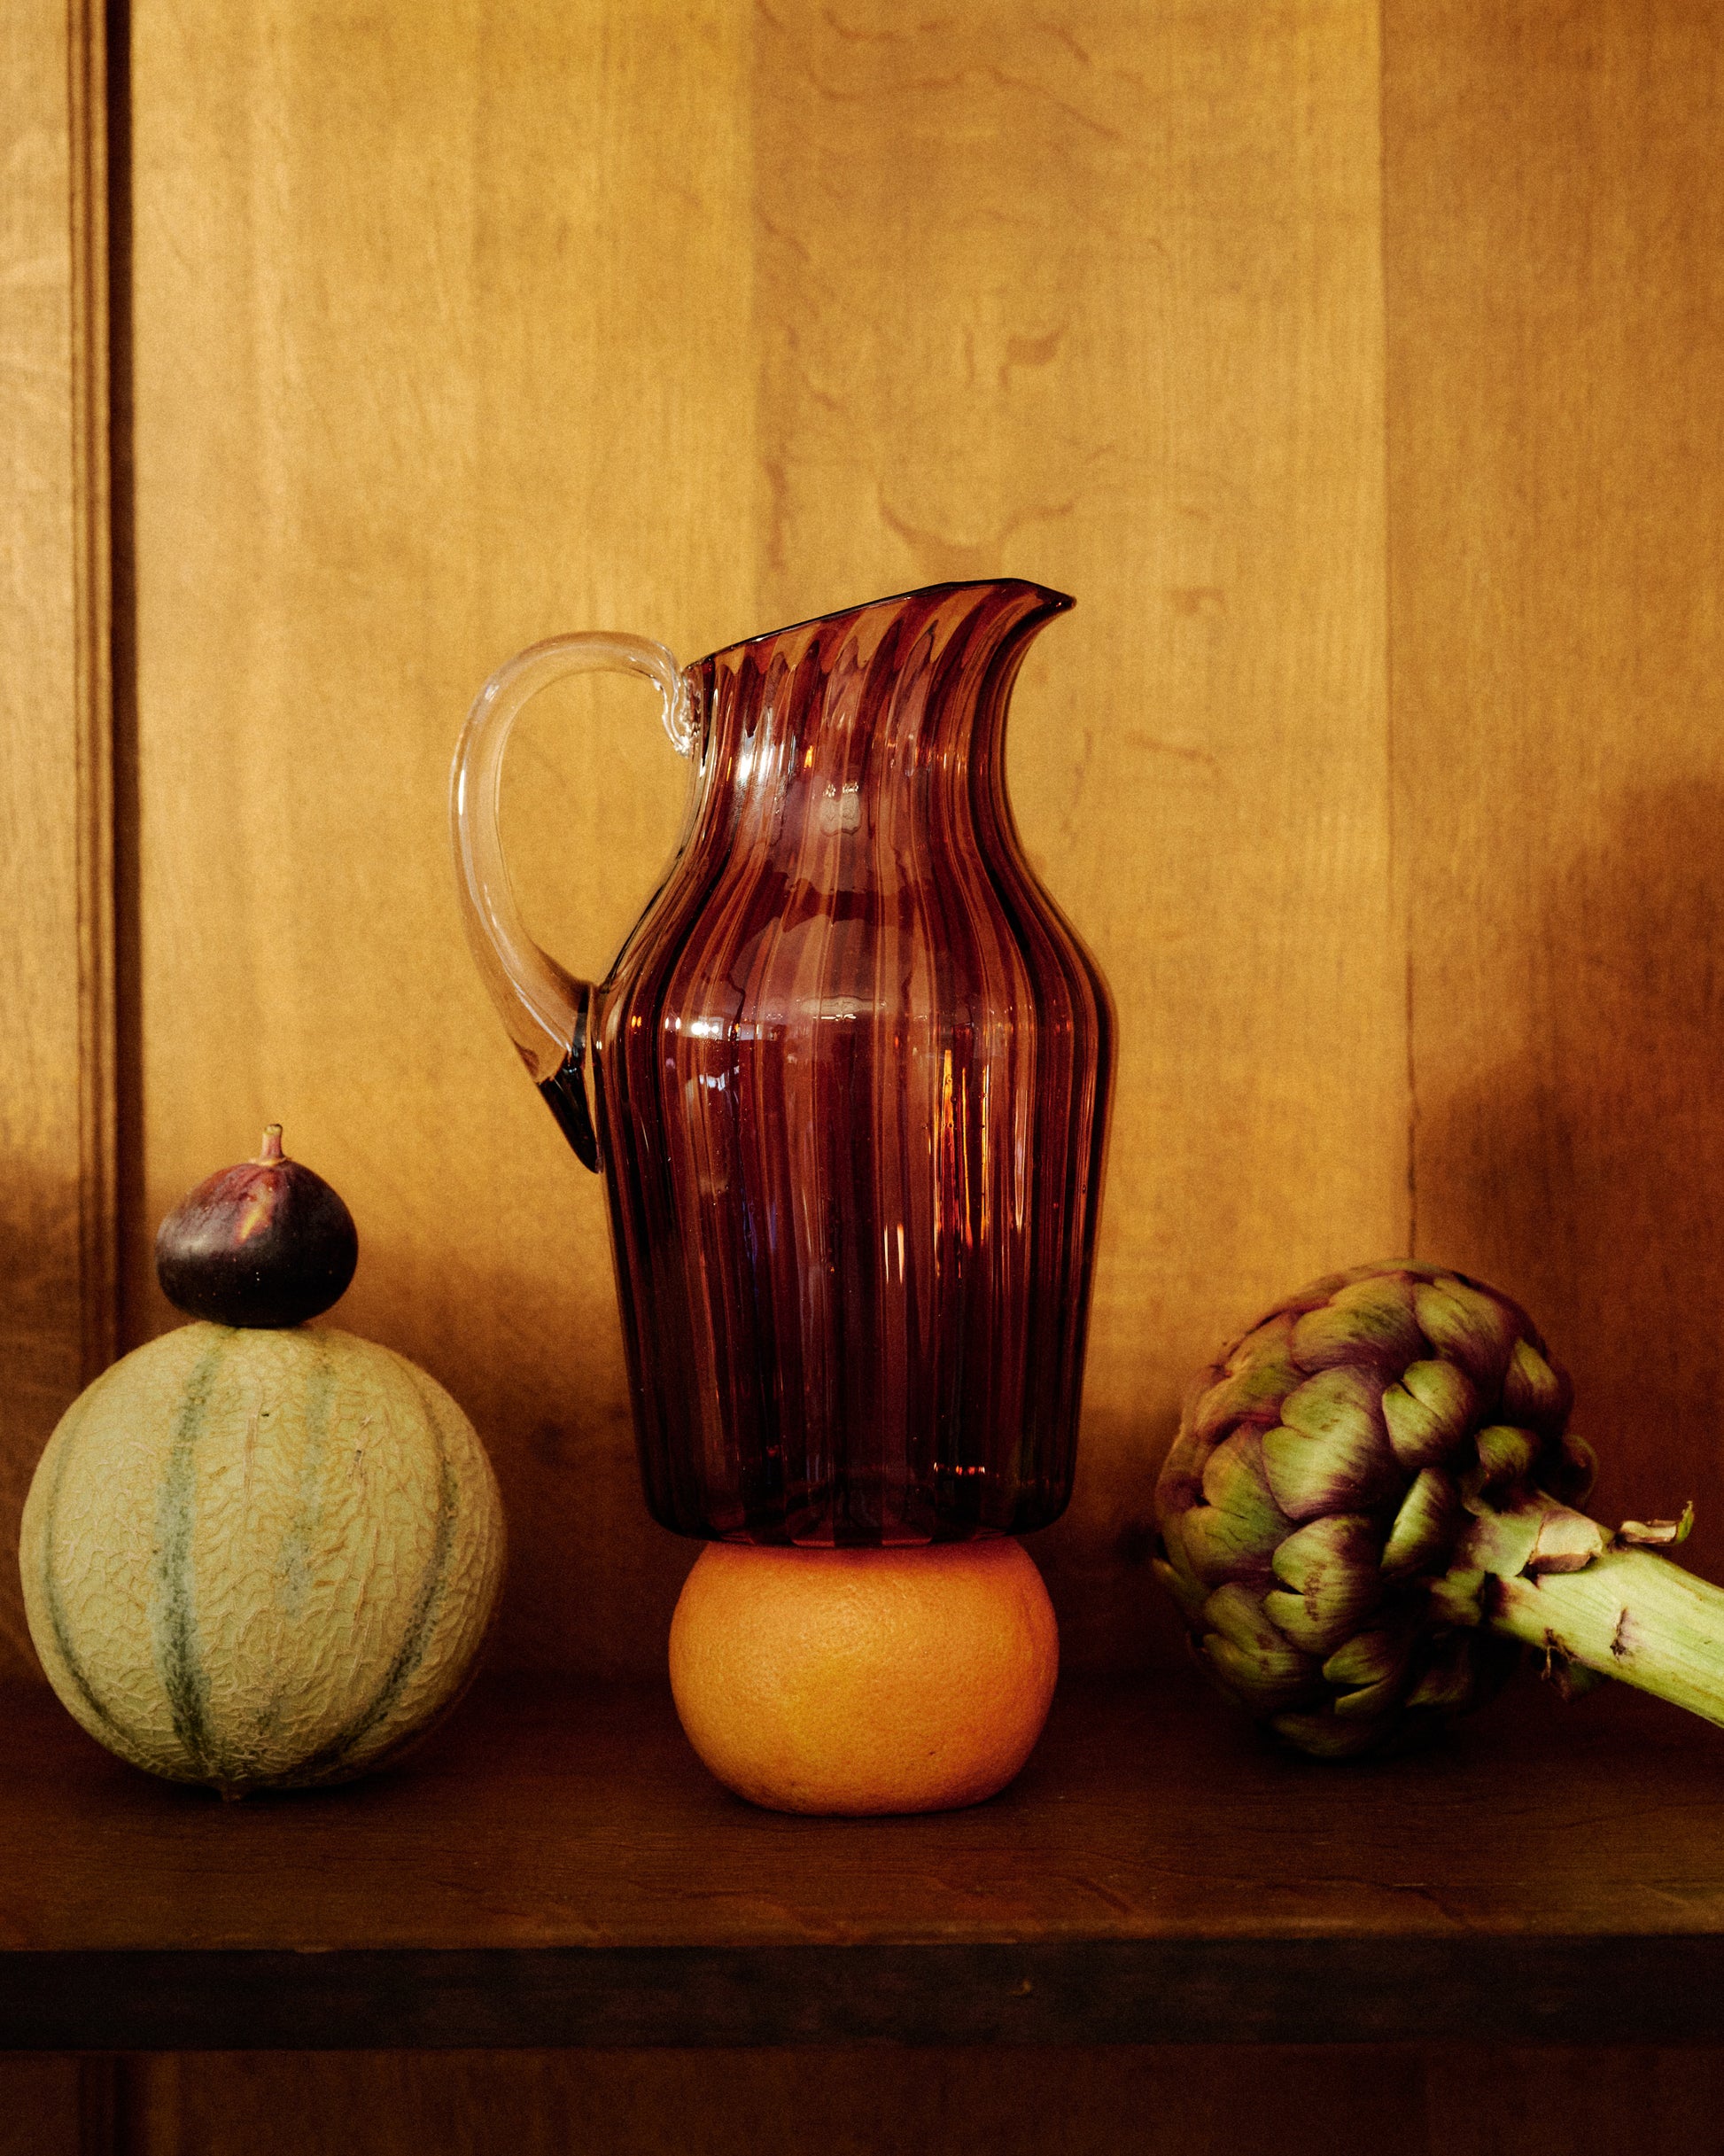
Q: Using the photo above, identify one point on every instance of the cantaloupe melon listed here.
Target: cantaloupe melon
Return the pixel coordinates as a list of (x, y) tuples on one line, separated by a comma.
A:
[(261, 1558)]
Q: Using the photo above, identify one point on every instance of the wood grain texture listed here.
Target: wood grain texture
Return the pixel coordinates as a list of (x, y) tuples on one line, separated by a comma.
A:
[(556, 1824), (57, 1139), (440, 348), (1475, 2100), (765, 2104), (1556, 293), (43, 2108), (459, 329), (1092, 293), (456, 331)]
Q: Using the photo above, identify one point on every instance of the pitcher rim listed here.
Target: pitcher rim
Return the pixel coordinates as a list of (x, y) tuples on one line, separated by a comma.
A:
[(1057, 603)]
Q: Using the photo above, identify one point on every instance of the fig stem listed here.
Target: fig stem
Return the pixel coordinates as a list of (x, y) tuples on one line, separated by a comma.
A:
[(1622, 1612), (270, 1151)]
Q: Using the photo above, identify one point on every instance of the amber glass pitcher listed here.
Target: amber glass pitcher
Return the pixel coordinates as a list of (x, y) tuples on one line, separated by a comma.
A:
[(846, 1083)]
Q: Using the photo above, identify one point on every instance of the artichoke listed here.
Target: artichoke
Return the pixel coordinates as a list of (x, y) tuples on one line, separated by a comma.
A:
[(1368, 1512)]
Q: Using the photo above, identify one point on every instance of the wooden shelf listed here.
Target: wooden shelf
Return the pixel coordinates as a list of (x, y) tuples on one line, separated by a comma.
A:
[(561, 1871)]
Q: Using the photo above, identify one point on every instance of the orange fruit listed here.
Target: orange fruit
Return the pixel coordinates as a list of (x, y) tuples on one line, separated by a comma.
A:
[(857, 1681)]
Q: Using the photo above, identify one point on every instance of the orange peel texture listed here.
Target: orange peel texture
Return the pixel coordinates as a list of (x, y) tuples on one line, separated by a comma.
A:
[(864, 1681)]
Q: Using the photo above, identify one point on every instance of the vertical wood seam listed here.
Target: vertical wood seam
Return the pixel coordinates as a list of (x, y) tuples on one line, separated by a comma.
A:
[(99, 2105), (87, 130), (1401, 894)]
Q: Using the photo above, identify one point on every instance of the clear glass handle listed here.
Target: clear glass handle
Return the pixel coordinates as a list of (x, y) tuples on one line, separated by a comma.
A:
[(543, 1006)]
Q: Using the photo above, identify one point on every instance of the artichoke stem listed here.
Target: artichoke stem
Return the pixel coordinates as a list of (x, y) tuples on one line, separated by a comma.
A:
[(1627, 1615)]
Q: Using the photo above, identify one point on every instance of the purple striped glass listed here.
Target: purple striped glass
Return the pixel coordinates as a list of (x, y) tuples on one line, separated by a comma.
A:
[(847, 1082)]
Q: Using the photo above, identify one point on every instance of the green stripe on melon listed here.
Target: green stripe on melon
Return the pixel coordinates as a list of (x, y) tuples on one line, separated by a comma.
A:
[(261, 1558)]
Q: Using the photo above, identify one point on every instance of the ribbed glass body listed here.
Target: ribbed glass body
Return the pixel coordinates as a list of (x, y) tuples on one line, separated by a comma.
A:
[(850, 1077)]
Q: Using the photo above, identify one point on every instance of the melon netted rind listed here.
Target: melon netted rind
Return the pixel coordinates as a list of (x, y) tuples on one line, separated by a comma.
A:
[(261, 1558)]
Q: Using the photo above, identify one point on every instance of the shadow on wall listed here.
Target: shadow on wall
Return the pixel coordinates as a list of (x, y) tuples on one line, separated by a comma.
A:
[(592, 1581), (45, 1339), (1114, 1618), (1586, 1177)]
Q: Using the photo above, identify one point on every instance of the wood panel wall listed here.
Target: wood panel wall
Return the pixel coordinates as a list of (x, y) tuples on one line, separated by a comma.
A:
[(1172, 2100), (59, 1116), (1554, 197), (57, 1097), (460, 325), (1361, 376)]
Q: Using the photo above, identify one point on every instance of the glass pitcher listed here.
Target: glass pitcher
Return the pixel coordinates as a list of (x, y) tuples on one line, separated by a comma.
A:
[(846, 1082)]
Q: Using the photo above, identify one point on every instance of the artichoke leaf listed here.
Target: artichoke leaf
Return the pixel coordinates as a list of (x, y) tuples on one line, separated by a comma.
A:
[(1250, 1385), (1323, 1736), (1340, 1401), (1567, 1542), (1506, 1456), (1533, 1394), (1371, 1700), (1330, 1582), (1237, 1614), (1219, 1545), (1269, 1345), (1656, 1534), (1370, 1321), (1343, 1546), (1249, 1395), (1569, 1473), (1371, 1658), (1465, 1326), (1189, 1591), (1236, 1524), (1426, 1527), (1330, 1452), (1248, 1654), (1233, 1478), (1502, 1537), (1429, 1412), (1457, 1598), (1259, 1681), (1448, 1679)]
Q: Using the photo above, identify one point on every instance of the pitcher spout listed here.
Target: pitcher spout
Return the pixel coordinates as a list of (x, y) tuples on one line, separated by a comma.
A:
[(921, 672), (1010, 606)]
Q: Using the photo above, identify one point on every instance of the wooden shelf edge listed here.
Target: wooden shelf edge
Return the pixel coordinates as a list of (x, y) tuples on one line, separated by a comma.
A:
[(1667, 1990), (560, 1872)]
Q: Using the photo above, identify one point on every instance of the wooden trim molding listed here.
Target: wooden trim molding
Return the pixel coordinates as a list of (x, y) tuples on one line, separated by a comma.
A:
[(92, 714), (58, 1108)]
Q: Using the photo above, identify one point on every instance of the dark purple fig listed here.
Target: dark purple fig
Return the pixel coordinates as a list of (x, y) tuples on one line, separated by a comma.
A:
[(266, 1243)]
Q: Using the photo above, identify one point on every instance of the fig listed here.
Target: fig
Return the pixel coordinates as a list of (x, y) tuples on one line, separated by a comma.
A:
[(266, 1243)]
